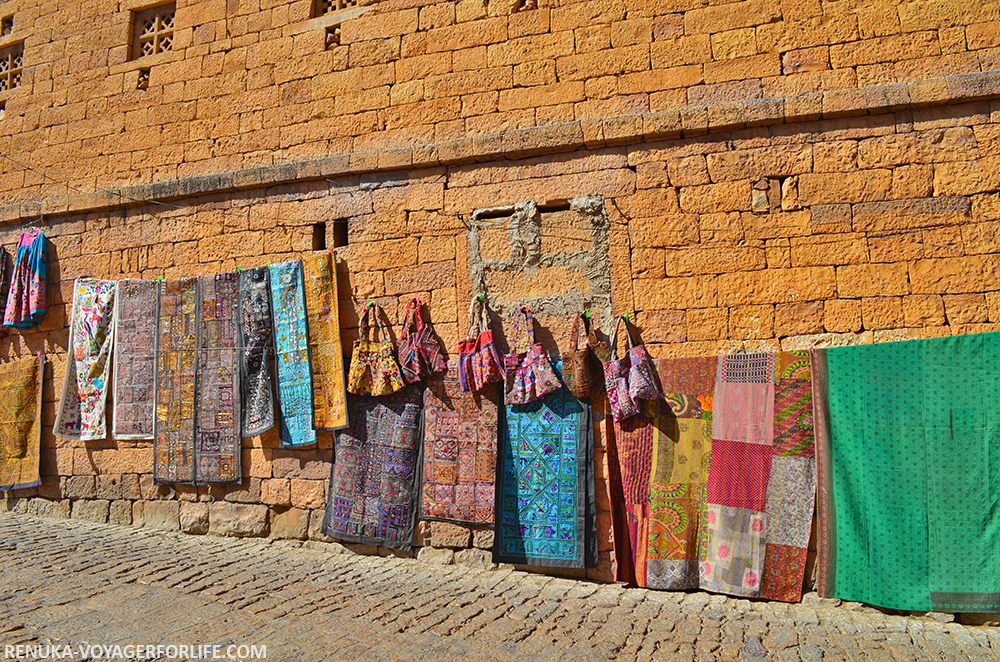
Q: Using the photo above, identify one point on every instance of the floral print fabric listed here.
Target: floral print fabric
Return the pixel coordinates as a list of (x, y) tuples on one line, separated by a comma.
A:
[(26, 298), (85, 384)]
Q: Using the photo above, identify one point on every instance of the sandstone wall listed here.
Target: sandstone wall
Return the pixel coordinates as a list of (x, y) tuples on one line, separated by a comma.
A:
[(786, 174)]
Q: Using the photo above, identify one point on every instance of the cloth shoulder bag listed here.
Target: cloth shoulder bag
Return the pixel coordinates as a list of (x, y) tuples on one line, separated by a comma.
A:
[(582, 368), (529, 375), (419, 352), (374, 370), (631, 378), (479, 361)]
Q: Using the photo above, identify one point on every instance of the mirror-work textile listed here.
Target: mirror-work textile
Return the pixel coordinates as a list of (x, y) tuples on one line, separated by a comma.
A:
[(176, 369), (255, 358), (719, 481), (135, 359), (460, 451), (217, 424), (908, 451), (20, 422), (80, 414), (545, 484), (373, 490), (329, 389), (291, 347)]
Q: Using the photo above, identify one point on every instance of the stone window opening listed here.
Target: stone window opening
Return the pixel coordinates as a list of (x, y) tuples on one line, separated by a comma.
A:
[(11, 63), (6, 26), (332, 37), (143, 82), (3, 110), (525, 5), (153, 31), (324, 7)]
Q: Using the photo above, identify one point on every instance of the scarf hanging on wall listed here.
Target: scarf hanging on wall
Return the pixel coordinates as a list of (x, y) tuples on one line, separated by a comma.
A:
[(135, 360), (80, 414), (372, 496), (908, 456), (546, 510), (21, 422), (26, 298), (217, 425), (4, 287), (325, 349), (176, 372), (255, 359), (291, 347), (460, 451)]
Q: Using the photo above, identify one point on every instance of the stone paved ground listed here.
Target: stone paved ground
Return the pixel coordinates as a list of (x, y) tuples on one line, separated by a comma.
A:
[(70, 582)]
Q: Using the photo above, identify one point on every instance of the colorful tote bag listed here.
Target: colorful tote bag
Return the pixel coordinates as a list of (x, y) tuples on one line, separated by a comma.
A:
[(908, 455), (419, 351), (292, 359), (135, 360), (256, 330), (26, 298), (217, 437), (479, 361), (80, 414), (546, 511), (374, 370), (629, 379), (373, 478), (325, 348), (529, 375), (583, 370), (21, 422), (460, 451)]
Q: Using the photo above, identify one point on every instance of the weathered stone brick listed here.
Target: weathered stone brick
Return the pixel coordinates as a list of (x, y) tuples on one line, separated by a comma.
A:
[(942, 242), (751, 322), (237, 520), (838, 188), (965, 308), (712, 198), (717, 258), (921, 310), (842, 315), (428, 276), (91, 510), (308, 493), (291, 524), (683, 293), (972, 273), (777, 161), (795, 319), (275, 492), (896, 246), (872, 280), (730, 16), (707, 323), (777, 286), (829, 249), (193, 518), (882, 312)]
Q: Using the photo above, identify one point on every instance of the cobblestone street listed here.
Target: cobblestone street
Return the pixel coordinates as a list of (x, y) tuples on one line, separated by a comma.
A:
[(67, 582)]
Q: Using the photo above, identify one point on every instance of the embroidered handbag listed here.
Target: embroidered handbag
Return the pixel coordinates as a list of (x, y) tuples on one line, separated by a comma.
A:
[(479, 361), (419, 351), (529, 375), (374, 370), (631, 378), (582, 368)]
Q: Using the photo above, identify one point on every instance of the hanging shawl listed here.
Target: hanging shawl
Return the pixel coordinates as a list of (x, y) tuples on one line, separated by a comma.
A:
[(85, 383), (373, 489), (908, 452), (20, 422), (4, 286), (135, 360), (177, 348), (546, 510), (26, 298), (255, 361), (217, 418), (329, 392), (291, 347), (460, 451)]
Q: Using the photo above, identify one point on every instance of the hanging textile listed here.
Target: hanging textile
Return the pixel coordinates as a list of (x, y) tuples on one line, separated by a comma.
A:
[(718, 482), (329, 392), (546, 511), (26, 298), (135, 359), (255, 359), (4, 286), (460, 451), (20, 422), (372, 496), (176, 370), (291, 347), (908, 451), (80, 414), (217, 416)]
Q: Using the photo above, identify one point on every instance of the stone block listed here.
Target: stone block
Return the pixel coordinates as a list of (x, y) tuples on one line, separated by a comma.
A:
[(475, 558), (751, 322), (291, 524), (829, 249), (872, 280), (275, 492), (838, 188), (80, 487), (777, 286), (310, 494), (796, 319), (965, 308), (293, 464), (909, 214), (91, 510), (973, 273), (436, 556), (447, 534), (120, 512), (895, 246), (237, 520), (482, 538), (316, 526), (50, 508), (193, 518), (429, 276), (842, 315), (879, 313), (163, 515), (923, 310), (246, 492)]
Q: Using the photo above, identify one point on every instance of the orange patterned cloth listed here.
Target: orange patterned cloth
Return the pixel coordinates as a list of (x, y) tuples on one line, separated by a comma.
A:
[(325, 348), (20, 422)]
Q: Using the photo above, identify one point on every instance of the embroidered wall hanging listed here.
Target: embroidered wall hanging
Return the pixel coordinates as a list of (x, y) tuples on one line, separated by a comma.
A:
[(135, 360), (21, 422), (291, 346), (325, 349), (255, 327)]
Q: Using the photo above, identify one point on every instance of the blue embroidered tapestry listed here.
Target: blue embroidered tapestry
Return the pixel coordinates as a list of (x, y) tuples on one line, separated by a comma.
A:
[(291, 345), (545, 484)]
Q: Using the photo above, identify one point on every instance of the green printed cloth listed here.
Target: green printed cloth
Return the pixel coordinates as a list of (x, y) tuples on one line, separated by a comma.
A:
[(908, 462)]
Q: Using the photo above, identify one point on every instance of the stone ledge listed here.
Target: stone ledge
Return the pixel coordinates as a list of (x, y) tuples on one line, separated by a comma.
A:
[(548, 139)]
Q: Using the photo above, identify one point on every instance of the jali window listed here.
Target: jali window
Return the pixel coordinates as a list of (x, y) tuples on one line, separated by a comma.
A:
[(153, 31), (11, 63), (324, 7)]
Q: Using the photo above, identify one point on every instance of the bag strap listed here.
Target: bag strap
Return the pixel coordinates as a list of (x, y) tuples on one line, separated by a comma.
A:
[(529, 322), (412, 308), (477, 323), (592, 338), (614, 339), (574, 335), (363, 333)]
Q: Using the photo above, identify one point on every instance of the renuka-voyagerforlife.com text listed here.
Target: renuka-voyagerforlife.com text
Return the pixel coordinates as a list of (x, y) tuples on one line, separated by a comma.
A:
[(134, 652)]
